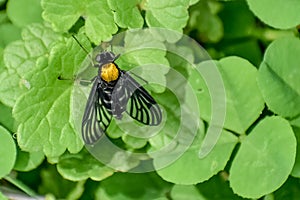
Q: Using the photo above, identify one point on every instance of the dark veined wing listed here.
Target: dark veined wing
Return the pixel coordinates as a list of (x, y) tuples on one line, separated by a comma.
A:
[(141, 106), (96, 119)]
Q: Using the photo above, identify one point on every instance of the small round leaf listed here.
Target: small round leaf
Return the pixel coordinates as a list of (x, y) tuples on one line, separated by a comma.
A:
[(279, 14), (7, 152), (265, 159), (278, 77)]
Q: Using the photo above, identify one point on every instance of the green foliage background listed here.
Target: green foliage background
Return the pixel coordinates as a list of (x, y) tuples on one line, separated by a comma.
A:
[(256, 46)]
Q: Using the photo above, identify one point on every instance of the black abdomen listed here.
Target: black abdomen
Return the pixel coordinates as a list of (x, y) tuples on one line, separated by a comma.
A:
[(113, 98)]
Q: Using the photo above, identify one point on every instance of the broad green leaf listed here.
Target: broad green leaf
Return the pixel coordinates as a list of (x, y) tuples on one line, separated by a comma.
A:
[(126, 13), (27, 161), (7, 152), (279, 77), (179, 192), (53, 183), (9, 33), (128, 186), (268, 11), (81, 166), (244, 102), (265, 158), (23, 13), (99, 24), (44, 112), (190, 169), (20, 59), (62, 14), (167, 14)]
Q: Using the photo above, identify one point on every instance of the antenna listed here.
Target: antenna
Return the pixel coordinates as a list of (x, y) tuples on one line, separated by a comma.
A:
[(83, 48)]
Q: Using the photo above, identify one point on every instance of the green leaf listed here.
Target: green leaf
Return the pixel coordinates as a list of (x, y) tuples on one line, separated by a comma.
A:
[(265, 158), (167, 14), (244, 102), (20, 59), (129, 186), (6, 118), (23, 13), (190, 169), (279, 77), (7, 152), (186, 192), (9, 33), (44, 111), (81, 166), (126, 13), (267, 11), (62, 14), (99, 24), (27, 161)]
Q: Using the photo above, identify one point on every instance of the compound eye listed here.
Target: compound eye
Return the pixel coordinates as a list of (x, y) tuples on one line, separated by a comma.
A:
[(99, 57)]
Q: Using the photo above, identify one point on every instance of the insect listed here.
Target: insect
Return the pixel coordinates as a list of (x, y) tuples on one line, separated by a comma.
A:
[(114, 92)]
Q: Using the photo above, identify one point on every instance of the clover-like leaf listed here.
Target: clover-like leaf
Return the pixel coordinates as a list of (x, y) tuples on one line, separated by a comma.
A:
[(279, 77), (190, 169), (289, 12), (265, 159), (244, 101), (7, 152)]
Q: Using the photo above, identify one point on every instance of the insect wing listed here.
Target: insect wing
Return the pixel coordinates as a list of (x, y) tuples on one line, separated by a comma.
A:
[(96, 119), (141, 106)]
